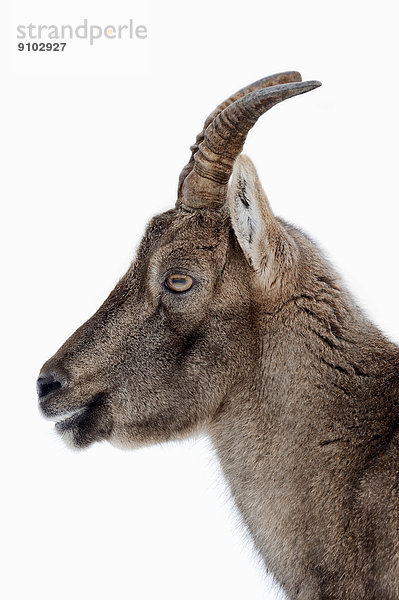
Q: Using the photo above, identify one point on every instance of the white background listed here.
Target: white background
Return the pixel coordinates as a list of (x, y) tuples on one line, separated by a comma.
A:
[(93, 141)]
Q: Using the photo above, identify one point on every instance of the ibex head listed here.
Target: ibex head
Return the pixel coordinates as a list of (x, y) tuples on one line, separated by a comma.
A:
[(179, 334)]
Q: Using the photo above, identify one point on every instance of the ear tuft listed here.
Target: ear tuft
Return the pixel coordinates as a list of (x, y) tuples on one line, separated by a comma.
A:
[(242, 192)]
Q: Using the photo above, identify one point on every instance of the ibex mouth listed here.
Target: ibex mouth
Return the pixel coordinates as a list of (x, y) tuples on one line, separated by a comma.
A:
[(76, 417), (79, 426), (91, 423), (66, 419)]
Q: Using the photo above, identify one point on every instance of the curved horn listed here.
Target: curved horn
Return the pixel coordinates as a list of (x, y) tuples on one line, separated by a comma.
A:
[(276, 79), (206, 185)]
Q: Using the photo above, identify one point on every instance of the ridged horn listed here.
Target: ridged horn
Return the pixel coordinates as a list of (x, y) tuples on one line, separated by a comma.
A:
[(205, 186), (276, 79)]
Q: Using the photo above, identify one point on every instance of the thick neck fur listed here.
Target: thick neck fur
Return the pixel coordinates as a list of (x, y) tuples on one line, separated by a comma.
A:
[(310, 439)]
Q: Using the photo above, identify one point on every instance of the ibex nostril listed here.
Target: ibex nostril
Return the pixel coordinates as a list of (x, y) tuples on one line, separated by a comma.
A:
[(45, 385)]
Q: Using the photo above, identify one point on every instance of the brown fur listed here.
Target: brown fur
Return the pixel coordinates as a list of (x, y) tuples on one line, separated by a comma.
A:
[(269, 355)]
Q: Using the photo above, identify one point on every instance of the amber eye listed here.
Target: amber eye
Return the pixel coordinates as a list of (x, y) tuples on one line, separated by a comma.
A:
[(179, 283)]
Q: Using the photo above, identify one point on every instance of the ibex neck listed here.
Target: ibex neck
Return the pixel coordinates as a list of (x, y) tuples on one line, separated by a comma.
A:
[(293, 444)]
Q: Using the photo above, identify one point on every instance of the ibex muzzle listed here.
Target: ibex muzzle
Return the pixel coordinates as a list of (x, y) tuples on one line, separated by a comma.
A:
[(232, 322)]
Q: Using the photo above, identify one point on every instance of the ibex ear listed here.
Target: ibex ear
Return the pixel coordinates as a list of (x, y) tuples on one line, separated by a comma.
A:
[(265, 243)]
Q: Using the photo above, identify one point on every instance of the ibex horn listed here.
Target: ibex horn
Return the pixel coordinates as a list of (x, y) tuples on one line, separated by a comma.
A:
[(205, 185), (276, 79)]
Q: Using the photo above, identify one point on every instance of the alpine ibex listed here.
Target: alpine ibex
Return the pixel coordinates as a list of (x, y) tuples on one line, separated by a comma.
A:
[(231, 321)]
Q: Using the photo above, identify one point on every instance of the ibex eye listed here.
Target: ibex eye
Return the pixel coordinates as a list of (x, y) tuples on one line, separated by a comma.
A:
[(179, 283)]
